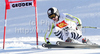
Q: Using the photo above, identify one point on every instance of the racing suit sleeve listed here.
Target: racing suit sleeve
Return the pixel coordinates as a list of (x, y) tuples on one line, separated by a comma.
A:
[(75, 19), (48, 33)]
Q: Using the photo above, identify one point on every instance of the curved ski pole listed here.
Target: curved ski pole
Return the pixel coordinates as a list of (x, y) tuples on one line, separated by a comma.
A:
[(91, 27)]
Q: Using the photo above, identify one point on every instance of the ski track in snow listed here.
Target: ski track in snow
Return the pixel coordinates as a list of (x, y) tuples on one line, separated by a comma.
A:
[(27, 45)]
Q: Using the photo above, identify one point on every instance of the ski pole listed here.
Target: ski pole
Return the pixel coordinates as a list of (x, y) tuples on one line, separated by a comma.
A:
[(91, 27)]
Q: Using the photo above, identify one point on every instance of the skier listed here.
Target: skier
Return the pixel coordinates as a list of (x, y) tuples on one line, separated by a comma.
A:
[(65, 26)]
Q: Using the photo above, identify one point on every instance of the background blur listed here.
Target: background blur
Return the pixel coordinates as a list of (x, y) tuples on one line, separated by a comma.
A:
[(21, 22)]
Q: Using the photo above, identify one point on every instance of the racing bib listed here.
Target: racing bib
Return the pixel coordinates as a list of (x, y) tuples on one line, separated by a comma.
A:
[(61, 24)]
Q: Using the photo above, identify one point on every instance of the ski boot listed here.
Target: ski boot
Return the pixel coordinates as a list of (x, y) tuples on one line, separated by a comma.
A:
[(69, 40), (87, 41)]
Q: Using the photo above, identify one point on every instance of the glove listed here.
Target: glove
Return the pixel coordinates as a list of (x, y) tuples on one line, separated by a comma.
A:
[(48, 42), (79, 26)]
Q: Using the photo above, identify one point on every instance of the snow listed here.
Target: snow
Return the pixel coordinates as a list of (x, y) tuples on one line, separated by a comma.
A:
[(27, 45)]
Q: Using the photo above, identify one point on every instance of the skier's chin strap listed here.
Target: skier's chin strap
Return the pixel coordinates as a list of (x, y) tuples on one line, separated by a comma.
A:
[(58, 18)]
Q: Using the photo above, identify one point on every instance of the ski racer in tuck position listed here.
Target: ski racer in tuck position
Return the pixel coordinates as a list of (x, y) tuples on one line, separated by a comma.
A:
[(65, 26)]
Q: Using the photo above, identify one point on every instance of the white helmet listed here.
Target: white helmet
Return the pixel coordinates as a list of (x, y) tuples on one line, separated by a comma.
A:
[(52, 12)]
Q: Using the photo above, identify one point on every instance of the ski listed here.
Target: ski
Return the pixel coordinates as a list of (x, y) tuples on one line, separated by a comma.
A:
[(77, 45), (60, 44), (55, 46)]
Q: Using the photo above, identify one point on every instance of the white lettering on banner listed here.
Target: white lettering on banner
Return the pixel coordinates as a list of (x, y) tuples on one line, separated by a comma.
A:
[(13, 0), (21, 4), (19, 0)]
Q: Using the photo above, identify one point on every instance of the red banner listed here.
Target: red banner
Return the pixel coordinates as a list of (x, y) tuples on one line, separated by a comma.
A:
[(12, 4)]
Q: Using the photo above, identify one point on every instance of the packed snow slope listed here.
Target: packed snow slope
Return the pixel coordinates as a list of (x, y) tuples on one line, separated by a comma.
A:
[(27, 45)]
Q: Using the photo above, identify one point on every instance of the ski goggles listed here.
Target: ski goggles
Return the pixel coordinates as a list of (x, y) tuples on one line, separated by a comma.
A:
[(52, 16)]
